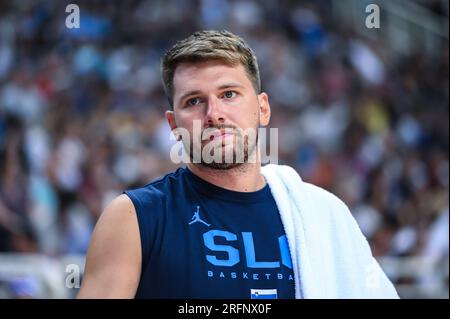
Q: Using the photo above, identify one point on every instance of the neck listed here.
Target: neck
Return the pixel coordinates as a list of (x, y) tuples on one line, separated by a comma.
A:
[(244, 178)]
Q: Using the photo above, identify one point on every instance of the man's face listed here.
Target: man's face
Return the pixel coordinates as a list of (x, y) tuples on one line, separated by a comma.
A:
[(221, 101)]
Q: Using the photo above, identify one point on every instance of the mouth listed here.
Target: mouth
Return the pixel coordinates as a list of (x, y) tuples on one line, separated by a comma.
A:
[(223, 133)]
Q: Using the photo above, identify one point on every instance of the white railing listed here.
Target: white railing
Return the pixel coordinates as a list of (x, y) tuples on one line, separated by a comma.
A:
[(39, 276), (418, 277)]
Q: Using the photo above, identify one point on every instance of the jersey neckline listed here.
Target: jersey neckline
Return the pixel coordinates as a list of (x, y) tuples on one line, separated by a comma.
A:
[(212, 190)]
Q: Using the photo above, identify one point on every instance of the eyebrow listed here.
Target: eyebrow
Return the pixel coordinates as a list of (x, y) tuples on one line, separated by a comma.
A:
[(230, 85), (221, 87)]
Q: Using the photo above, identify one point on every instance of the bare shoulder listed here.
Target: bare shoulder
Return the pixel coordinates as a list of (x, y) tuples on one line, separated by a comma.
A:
[(120, 209), (118, 222), (113, 262)]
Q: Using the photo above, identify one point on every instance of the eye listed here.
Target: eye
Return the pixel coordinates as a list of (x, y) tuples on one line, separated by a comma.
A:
[(193, 101), (229, 94)]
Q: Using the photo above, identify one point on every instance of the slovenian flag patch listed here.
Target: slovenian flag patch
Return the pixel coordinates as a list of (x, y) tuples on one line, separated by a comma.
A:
[(263, 294)]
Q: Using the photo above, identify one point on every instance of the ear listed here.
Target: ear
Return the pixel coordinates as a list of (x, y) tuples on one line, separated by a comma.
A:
[(170, 117), (264, 109)]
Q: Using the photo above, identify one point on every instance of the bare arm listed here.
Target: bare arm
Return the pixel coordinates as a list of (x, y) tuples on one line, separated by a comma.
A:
[(113, 263)]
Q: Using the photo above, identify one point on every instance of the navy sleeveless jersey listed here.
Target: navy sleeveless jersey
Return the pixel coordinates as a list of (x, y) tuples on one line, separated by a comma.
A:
[(202, 241)]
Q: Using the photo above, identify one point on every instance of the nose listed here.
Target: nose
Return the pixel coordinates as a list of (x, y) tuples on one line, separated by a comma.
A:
[(213, 112)]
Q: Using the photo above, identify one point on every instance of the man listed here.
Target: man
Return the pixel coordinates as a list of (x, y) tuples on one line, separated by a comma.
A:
[(224, 227)]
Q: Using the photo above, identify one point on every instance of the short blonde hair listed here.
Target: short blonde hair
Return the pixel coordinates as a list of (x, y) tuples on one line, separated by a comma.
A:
[(209, 45)]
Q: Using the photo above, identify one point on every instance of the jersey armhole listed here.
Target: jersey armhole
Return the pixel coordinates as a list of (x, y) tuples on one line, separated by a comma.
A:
[(144, 228)]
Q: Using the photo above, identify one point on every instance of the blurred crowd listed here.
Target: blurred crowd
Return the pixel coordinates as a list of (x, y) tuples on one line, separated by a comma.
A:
[(82, 115)]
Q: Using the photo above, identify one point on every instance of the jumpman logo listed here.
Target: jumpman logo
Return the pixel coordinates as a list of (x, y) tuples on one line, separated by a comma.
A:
[(196, 218)]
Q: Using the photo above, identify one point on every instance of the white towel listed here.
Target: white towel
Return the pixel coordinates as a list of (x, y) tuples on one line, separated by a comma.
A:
[(331, 258)]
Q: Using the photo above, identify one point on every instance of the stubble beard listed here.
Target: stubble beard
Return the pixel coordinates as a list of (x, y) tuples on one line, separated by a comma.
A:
[(248, 144)]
